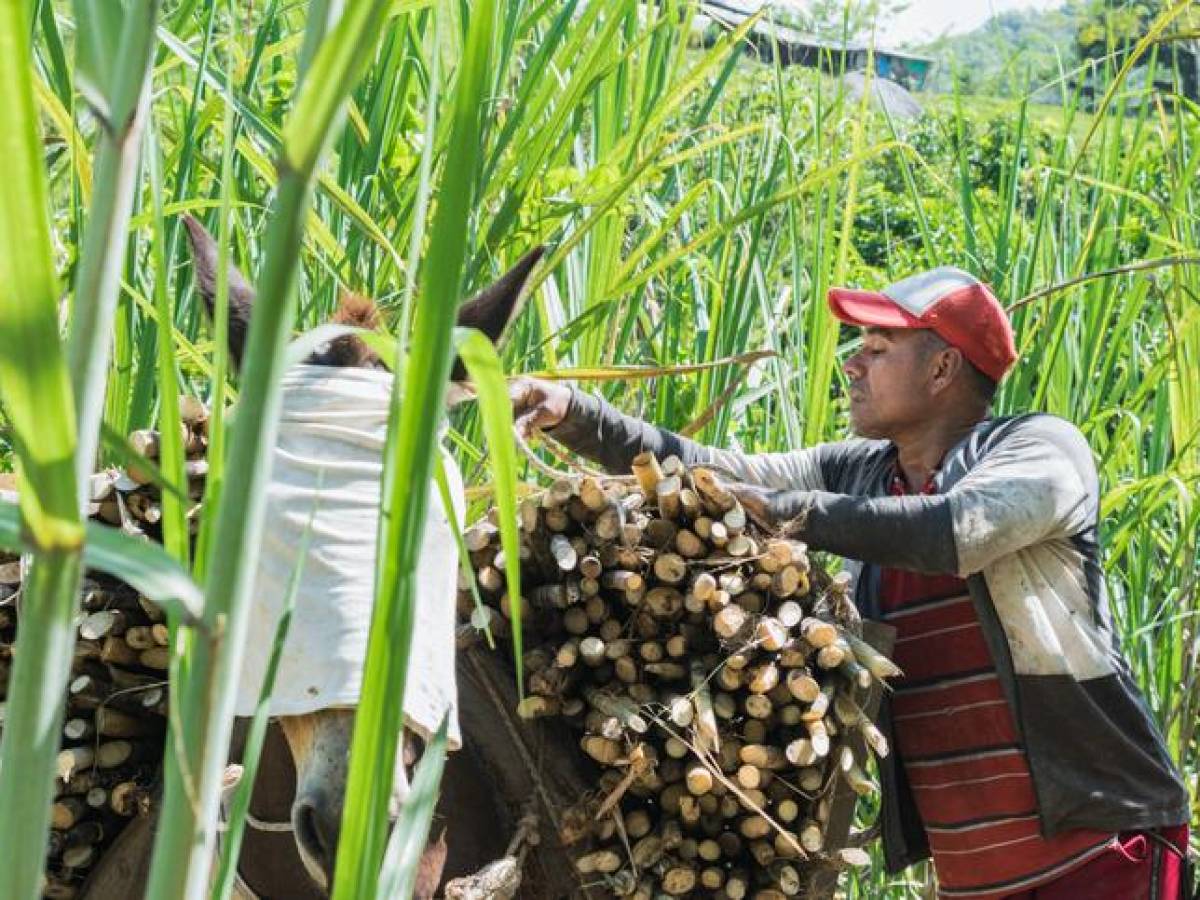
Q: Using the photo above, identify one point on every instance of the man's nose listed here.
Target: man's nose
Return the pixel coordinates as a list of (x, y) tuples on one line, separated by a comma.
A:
[(853, 367)]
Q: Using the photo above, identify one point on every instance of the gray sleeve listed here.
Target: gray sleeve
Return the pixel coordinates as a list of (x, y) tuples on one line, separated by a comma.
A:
[(1036, 484), (595, 429), (911, 532)]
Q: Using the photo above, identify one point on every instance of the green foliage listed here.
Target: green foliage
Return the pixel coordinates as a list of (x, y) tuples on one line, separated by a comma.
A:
[(186, 834), (41, 388), (1010, 53), (1107, 24), (398, 874), (1041, 50)]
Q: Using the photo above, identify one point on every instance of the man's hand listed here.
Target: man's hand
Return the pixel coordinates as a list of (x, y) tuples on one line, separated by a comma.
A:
[(538, 404), (756, 501), (772, 510)]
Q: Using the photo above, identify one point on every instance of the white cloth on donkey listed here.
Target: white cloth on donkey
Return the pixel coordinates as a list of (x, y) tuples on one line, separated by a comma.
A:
[(328, 467)]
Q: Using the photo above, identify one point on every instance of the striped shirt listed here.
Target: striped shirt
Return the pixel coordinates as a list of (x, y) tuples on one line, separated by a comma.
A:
[(958, 742)]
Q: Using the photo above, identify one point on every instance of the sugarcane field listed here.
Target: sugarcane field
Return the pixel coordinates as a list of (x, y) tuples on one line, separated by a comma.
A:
[(513, 450)]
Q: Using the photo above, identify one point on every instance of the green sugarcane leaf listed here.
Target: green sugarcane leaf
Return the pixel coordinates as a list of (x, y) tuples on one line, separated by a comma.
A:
[(171, 455), (235, 823), (34, 386), (139, 563), (495, 409), (409, 459), (97, 277), (184, 842), (98, 25), (35, 391), (336, 68), (398, 875)]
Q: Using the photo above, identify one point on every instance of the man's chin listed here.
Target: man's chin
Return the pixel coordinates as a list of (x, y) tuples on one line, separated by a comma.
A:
[(863, 428)]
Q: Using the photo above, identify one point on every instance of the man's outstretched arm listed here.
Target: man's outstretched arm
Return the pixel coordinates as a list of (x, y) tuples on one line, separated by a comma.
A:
[(593, 428)]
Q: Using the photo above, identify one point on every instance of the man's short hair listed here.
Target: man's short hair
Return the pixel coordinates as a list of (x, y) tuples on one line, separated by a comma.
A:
[(985, 388), (982, 385)]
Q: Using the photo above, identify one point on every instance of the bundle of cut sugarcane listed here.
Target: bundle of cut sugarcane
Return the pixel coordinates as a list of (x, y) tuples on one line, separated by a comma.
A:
[(115, 719), (131, 499), (114, 722), (717, 678)]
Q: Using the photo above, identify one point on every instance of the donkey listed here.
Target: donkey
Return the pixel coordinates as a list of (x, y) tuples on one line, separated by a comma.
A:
[(303, 770), (319, 740)]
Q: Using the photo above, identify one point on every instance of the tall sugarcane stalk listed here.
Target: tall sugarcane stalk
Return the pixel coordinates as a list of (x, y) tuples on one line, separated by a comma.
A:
[(412, 445), (121, 113), (37, 387), (187, 830), (34, 714)]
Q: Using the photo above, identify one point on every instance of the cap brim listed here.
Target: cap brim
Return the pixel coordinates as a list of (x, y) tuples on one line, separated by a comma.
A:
[(867, 308)]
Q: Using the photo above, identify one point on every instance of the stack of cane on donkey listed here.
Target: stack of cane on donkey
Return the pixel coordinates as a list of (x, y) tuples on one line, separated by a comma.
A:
[(325, 489)]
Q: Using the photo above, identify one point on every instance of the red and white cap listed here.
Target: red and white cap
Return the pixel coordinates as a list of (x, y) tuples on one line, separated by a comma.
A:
[(954, 304)]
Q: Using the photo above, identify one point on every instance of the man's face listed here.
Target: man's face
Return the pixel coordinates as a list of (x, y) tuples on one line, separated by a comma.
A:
[(890, 378)]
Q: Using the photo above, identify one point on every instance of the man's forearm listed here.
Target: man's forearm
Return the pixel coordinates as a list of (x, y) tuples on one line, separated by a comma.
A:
[(599, 431), (914, 533), (596, 430)]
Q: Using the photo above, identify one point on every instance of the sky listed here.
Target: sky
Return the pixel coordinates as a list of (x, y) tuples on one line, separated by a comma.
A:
[(929, 18)]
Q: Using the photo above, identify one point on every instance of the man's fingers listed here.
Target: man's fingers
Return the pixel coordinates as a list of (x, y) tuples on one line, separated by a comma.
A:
[(526, 422), (759, 517), (536, 404), (754, 501)]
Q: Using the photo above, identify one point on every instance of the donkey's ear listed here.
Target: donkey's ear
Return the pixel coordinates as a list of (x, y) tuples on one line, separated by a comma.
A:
[(491, 309), (241, 294)]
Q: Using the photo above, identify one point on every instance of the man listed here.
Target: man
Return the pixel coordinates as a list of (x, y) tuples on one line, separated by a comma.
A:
[(1026, 762)]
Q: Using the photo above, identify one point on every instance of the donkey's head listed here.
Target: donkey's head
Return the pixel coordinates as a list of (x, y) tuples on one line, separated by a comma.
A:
[(489, 311), (320, 742)]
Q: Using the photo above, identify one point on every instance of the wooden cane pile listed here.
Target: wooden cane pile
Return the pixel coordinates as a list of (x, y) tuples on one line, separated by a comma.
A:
[(715, 676), (116, 704)]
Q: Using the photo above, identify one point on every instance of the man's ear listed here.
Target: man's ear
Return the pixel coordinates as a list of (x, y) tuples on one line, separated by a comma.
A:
[(241, 294), (492, 308), (948, 363)]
